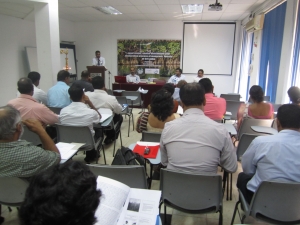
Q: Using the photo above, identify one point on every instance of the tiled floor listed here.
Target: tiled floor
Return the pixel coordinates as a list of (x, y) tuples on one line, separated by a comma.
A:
[(178, 218)]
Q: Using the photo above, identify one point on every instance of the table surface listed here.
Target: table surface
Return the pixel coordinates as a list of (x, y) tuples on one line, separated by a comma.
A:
[(77, 146), (155, 161), (132, 98), (230, 128), (266, 130)]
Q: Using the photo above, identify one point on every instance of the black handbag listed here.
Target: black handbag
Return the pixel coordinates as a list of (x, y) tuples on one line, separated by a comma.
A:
[(125, 156)]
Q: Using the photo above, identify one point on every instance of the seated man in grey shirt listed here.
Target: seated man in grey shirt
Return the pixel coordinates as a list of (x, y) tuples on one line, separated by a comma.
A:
[(85, 81), (195, 143)]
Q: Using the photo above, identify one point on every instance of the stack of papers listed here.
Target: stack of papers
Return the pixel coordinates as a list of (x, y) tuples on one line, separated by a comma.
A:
[(66, 150)]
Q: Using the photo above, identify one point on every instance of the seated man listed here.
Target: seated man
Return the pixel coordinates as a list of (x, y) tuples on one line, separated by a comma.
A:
[(79, 114), (72, 197), (29, 107), (194, 143), (20, 158), (38, 94), (215, 107), (294, 95), (58, 94), (132, 77), (85, 81), (101, 99), (273, 157), (176, 77), (177, 89)]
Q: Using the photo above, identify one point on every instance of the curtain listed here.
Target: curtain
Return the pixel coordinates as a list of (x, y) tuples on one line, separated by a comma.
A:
[(271, 50), (243, 81)]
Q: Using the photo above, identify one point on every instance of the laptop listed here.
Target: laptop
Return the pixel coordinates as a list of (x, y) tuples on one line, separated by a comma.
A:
[(120, 79)]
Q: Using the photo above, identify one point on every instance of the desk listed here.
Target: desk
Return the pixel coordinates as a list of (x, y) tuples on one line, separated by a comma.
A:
[(134, 87), (76, 147), (152, 162), (230, 128), (265, 130)]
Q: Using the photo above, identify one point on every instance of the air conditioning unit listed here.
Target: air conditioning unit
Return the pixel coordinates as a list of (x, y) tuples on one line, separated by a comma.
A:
[(255, 24)]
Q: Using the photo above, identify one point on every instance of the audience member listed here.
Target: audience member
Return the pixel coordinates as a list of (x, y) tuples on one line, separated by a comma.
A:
[(159, 115), (258, 109), (79, 114), (171, 89), (176, 77), (132, 77), (38, 94), (177, 89), (273, 157), (20, 158), (194, 143), (65, 194), (29, 107), (199, 76), (294, 95), (101, 99), (58, 94), (85, 81), (215, 107)]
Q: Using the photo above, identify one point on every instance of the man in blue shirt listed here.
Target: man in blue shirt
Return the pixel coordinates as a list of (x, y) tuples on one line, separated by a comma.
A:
[(58, 95), (273, 157)]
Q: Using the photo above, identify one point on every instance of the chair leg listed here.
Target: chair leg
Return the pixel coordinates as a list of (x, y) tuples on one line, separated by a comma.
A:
[(227, 189), (104, 154), (121, 137), (132, 122), (9, 209), (234, 212), (230, 198), (220, 217), (165, 214), (128, 124)]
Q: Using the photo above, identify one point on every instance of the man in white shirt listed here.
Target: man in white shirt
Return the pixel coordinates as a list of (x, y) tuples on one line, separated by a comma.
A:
[(177, 77), (98, 60), (79, 114), (132, 77), (101, 99), (194, 143), (199, 76), (273, 157)]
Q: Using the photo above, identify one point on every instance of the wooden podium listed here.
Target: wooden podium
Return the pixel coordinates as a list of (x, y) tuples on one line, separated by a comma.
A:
[(97, 71)]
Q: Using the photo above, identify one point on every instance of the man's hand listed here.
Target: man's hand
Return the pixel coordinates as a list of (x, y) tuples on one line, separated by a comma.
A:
[(90, 104), (87, 100), (34, 125)]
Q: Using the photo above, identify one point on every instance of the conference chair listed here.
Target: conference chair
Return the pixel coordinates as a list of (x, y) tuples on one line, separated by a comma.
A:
[(109, 92), (273, 202), (55, 110), (248, 122), (132, 176), (233, 107), (231, 97), (79, 134), (266, 98), (138, 102), (151, 136), (276, 107), (244, 143), (31, 136), (12, 191), (127, 111), (191, 193)]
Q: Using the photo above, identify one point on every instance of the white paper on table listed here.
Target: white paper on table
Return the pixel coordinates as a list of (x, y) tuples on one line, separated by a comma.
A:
[(66, 150), (145, 143), (228, 113), (180, 110)]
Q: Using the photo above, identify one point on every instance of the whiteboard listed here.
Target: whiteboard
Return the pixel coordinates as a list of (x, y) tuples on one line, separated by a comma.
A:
[(208, 46), (31, 53)]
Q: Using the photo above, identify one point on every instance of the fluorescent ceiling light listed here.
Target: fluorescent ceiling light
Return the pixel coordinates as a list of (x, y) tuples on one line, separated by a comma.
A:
[(193, 8), (107, 10)]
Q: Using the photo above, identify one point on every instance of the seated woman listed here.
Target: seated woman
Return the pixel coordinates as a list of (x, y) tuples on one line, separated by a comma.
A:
[(294, 95), (160, 113), (258, 109)]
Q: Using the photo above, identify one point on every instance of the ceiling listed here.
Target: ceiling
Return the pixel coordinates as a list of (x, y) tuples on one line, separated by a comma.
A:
[(135, 10)]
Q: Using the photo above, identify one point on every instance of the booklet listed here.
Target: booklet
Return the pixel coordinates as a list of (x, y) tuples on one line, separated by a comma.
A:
[(120, 204)]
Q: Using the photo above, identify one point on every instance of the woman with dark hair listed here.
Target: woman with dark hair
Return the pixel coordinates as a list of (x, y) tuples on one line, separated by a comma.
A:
[(294, 95), (171, 89), (160, 113), (258, 109), (63, 195)]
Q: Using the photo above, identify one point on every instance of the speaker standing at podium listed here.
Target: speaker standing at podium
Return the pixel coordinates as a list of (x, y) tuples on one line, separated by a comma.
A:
[(98, 60)]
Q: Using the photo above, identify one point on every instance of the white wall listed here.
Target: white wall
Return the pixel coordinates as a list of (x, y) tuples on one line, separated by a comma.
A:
[(15, 35), (92, 36)]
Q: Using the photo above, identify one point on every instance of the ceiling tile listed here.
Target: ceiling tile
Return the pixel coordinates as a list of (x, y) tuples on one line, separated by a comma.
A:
[(142, 2), (17, 7), (244, 15), (116, 2), (13, 13), (231, 16), (243, 2), (170, 8), (127, 9), (138, 16), (148, 8), (153, 16), (238, 7), (167, 2), (93, 3), (211, 16), (72, 3), (185, 2), (193, 17)]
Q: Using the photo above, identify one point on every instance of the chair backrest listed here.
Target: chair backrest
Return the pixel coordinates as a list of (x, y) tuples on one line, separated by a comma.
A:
[(31, 137), (151, 136), (191, 191), (231, 97), (233, 107), (277, 202), (76, 134), (123, 100), (109, 91), (55, 110), (244, 143), (138, 101), (248, 122), (276, 107), (12, 190), (267, 98), (132, 176)]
